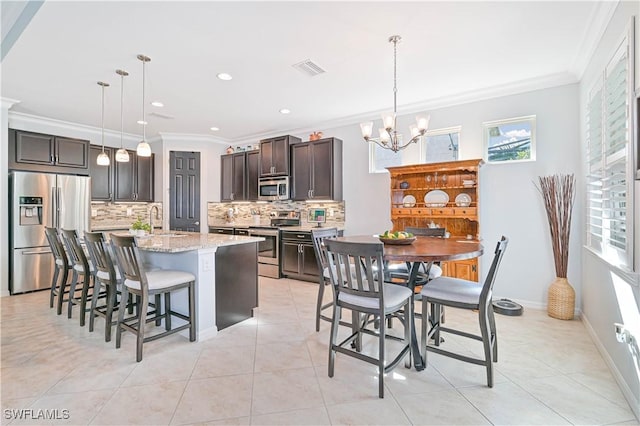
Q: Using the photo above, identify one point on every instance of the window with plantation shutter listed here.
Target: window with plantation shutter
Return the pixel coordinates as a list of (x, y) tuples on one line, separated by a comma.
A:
[(609, 176)]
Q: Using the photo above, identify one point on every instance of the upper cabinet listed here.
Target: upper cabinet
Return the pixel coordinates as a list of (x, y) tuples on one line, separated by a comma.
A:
[(274, 155), (316, 170), (47, 153), (232, 177), (101, 176), (252, 174), (134, 179)]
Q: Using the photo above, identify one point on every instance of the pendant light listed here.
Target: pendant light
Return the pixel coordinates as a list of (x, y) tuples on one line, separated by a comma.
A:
[(143, 149), (103, 158), (122, 156)]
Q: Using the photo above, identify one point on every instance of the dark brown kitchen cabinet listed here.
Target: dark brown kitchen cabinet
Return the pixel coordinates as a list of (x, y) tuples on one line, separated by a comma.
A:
[(47, 153), (101, 176), (298, 256), (252, 174), (232, 177), (274, 155), (134, 179), (316, 170)]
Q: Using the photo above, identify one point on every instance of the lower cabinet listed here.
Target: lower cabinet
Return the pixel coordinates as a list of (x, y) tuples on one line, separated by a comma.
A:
[(463, 269), (236, 283), (215, 230), (298, 256)]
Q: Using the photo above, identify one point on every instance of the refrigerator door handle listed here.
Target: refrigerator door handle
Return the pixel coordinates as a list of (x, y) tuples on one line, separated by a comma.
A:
[(58, 207), (24, 253), (54, 205)]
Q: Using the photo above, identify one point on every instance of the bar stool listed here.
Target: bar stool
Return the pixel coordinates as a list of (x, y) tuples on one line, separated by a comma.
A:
[(81, 268), (144, 284), (61, 265)]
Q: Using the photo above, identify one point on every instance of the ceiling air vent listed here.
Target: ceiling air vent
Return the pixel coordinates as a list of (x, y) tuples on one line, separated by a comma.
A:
[(309, 67), (166, 117)]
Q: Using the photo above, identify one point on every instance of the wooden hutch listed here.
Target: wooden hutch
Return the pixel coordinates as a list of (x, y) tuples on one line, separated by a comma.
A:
[(410, 205)]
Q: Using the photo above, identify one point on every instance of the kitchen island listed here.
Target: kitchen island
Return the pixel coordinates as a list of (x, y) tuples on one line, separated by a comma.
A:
[(226, 271)]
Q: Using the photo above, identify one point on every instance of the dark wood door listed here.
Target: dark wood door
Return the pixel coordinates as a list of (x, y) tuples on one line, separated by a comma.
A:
[(184, 191), (266, 154), (124, 183), (34, 148), (322, 169), (308, 262), (300, 171), (253, 172), (280, 156), (238, 176), (226, 177), (72, 152), (101, 176), (290, 258), (144, 178)]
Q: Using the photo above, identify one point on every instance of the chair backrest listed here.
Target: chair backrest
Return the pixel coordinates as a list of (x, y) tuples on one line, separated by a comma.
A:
[(364, 259), (318, 244), (125, 251), (487, 287), (426, 232), (74, 250), (56, 247), (100, 256)]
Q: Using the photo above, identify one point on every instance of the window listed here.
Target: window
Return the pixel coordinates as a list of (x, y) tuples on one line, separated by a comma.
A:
[(380, 158), (609, 171), (441, 145), (510, 140)]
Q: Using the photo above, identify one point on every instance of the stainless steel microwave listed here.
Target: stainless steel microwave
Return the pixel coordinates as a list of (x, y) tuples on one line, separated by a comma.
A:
[(276, 188)]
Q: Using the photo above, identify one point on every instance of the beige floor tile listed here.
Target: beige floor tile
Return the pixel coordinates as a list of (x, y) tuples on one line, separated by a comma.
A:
[(375, 412), (277, 333), (440, 408), (30, 380), (238, 421), (309, 416), (141, 405), (461, 374), (172, 366), (352, 381), (508, 404), (214, 399), (285, 390), (575, 402), (402, 381), (224, 361), (68, 408), (602, 383), (281, 356), (236, 335), (91, 376)]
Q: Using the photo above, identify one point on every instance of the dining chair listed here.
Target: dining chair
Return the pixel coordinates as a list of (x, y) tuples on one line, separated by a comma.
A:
[(318, 236), (427, 272), (107, 276), (365, 292), (81, 270), (144, 283), (61, 266), (463, 294)]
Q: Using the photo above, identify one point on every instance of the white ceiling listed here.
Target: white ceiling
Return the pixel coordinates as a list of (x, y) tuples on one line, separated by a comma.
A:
[(449, 49)]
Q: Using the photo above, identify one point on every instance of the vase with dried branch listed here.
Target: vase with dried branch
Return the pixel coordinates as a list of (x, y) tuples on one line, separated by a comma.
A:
[(558, 193)]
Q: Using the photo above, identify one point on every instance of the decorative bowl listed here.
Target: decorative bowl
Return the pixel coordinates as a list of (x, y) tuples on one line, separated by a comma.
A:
[(398, 241), (404, 185)]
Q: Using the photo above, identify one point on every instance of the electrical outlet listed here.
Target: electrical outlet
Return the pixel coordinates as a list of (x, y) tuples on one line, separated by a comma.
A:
[(94, 212), (129, 211), (330, 212), (207, 264)]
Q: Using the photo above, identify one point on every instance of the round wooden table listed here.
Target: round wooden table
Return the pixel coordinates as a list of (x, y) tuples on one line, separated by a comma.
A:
[(423, 250)]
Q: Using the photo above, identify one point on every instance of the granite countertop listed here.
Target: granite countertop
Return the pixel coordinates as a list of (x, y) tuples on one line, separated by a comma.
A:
[(175, 242), (304, 227), (115, 227)]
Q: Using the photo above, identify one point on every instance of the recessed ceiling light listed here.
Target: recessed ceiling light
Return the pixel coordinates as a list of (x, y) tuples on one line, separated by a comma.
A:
[(141, 122), (224, 76), (284, 111), (157, 104), (215, 129)]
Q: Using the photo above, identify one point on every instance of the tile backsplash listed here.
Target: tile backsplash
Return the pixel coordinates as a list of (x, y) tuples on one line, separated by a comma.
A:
[(217, 212), (122, 215)]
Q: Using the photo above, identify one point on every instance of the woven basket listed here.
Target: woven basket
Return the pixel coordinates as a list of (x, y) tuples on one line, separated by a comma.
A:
[(562, 300)]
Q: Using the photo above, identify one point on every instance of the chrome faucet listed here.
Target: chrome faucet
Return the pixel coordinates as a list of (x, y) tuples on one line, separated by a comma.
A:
[(151, 216)]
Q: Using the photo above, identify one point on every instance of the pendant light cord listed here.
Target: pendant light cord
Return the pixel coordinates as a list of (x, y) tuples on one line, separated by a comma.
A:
[(121, 108), (102, 119), (144, 120)]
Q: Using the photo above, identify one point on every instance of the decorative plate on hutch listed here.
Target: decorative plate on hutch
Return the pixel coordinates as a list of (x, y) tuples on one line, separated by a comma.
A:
[(436, 198), (463, 200), (409, 201)]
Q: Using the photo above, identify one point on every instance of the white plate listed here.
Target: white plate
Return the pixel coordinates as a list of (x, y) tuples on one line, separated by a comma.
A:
[(463, 200), (436, 198), (409, 201)]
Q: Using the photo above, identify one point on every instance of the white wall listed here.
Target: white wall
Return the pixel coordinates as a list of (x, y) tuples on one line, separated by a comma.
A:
[(608, 296)]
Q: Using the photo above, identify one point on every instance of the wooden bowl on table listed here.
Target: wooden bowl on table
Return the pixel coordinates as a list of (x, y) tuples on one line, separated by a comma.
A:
[(398, 241)]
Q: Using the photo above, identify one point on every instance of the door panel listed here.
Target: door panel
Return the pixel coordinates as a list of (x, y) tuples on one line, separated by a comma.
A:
[(238, 176), (300, 171), (26, 184), (280, 156), (32, 269), (184, 190), (290, 258), (266, 154), (101, 176), (34, 148), (253, 172), (322, 173), (226, 177), (72, 153), (74, 199), (309, 263), (144, 178), (124, 179)]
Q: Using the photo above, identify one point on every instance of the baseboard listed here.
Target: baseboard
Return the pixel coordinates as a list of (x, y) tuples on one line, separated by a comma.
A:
[(624, 387), (4, 293)]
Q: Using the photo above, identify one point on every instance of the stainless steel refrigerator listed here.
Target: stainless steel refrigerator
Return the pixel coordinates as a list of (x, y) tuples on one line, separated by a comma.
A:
[(39, 200)]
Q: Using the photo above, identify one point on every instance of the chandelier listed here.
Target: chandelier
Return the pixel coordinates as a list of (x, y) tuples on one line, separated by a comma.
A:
[(143, 149), (389, 137)]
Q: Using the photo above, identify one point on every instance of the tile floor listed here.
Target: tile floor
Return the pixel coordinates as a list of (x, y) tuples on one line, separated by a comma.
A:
[(272, 369)]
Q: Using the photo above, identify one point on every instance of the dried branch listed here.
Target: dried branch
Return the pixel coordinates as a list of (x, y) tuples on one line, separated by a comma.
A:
[(558, 193)]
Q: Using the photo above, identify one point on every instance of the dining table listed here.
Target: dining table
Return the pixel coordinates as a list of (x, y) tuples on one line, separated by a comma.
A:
[(422, 250)]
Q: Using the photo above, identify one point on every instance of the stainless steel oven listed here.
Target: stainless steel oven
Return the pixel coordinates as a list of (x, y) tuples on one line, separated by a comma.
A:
[(276, 188), (268, 251)]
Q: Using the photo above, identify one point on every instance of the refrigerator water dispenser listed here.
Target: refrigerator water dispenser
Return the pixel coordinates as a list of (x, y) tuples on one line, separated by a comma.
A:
[(30, 211)]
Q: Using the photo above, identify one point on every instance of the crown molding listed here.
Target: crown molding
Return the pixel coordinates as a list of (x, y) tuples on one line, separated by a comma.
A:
[(192, 137), (17, 118), (7, 103), (600, 17)]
